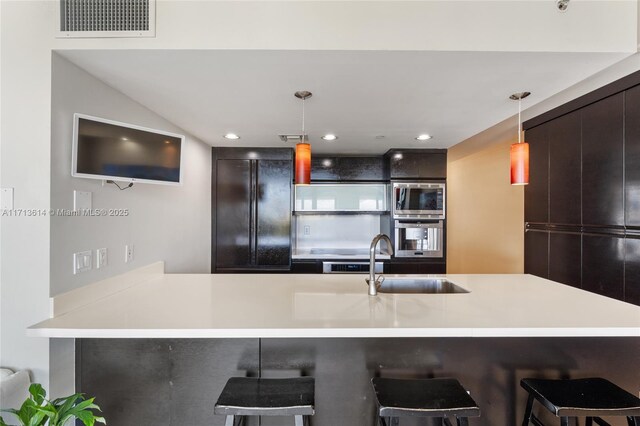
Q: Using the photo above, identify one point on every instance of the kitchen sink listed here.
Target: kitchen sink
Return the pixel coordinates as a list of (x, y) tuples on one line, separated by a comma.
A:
[(419, 285)]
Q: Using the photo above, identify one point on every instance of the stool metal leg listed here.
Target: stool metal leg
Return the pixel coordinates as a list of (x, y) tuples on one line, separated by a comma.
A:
[(463, 421), (528, 411), (230, 421), (633, 421), (298, 420), (564, 421), (588, 421)]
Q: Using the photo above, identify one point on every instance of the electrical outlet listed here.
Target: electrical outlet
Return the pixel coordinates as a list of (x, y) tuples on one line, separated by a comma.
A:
[(307, 230), (128, 253), (82, 261), (102, 259)]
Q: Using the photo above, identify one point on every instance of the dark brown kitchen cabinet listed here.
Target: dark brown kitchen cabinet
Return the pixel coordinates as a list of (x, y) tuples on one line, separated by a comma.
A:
[(346, 168), (632, 270), (603, 162), (251, 209), (536, 253), (417, 163), (632, 156), (585, 161), (564, 138), (396, 267), (306, 267), (603, 265), (536, 194), (565, 258)]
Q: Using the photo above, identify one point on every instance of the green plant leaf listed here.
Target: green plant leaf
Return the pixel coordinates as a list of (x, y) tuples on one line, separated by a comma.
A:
[(37, 419), (38, 394), (2, 423)]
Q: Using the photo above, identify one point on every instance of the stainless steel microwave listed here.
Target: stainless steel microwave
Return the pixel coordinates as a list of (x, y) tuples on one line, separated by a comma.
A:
[(424, 200)]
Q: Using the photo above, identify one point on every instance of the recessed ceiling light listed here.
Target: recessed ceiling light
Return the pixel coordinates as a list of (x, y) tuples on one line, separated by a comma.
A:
[(167, 142), (397, 156), (124, 139), (231, 136), (423, 137), (330, 137)]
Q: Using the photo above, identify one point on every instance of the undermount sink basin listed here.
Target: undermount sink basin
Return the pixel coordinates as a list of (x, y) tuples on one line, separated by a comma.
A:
[(419, 285)]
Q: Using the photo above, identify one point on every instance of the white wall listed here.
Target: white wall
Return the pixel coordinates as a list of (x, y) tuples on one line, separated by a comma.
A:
[(170, 223), (27, 32)]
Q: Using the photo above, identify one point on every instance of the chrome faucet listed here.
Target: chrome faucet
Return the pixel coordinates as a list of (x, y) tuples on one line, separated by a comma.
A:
[(372, 281)]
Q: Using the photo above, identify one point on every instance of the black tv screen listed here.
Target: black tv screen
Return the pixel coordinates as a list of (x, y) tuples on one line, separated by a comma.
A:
[(110, 150)]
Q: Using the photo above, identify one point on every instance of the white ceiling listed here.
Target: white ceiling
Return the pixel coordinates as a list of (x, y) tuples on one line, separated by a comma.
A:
[(357, 95)]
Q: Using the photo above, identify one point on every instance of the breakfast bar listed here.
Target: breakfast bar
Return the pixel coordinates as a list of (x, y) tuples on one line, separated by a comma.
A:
[(162, 345)]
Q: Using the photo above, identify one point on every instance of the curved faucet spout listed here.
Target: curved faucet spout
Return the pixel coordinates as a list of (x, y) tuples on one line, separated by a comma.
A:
[(373, 283)]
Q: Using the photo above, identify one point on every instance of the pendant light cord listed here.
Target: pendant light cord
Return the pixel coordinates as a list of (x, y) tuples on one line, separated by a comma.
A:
[(519, 120), (303, 133)]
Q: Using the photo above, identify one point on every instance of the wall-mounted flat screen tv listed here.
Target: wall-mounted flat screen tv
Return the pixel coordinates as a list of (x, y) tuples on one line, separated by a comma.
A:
[(110, 150)]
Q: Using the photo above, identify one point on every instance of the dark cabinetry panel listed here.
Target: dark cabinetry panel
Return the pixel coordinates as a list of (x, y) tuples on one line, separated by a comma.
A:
[(336, 168), (536, 194), (602, 162), (536, 253), (632, 156), (184, 375), (415, 267), (565, 168), (632, 271), (233, 213), (565, 258), (603, 265), (417, 164), (306, 267)]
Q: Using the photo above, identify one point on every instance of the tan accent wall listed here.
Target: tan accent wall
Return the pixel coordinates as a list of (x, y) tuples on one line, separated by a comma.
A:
[(485, 216)]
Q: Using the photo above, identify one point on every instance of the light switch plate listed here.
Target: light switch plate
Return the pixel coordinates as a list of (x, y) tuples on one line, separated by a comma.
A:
[(81, 200), (82, 261), (102, 259), (6, 198)]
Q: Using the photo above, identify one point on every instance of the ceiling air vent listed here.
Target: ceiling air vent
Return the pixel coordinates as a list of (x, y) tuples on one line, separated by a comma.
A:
[(107, 18), (290, 138)]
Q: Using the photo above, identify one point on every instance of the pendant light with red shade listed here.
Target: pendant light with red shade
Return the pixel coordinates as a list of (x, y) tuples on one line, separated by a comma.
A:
[(303, 148), (520, 150)]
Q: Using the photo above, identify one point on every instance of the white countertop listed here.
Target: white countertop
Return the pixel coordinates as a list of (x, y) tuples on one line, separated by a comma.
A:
[(291, 305)]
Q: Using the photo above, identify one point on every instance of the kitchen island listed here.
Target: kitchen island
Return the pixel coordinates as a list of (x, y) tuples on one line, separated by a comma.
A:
[(183, 335)]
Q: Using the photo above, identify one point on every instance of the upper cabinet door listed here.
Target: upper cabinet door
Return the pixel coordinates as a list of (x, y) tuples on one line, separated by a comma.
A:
[(565, 199), (536, 194), (418, 165), (632, 156), (602, 162)]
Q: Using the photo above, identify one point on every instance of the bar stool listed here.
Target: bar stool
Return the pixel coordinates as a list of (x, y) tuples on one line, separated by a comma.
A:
[(249, 396), (440, 398), (590, 398)]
